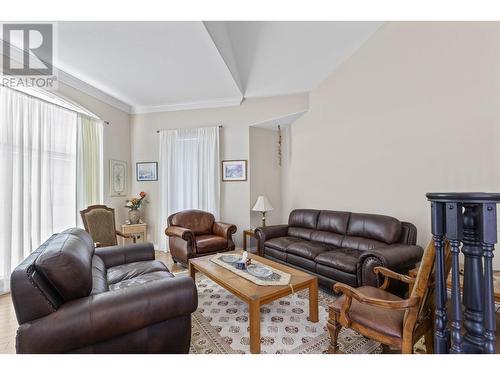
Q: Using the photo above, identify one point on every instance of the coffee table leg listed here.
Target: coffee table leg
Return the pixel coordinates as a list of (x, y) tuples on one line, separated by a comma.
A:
[(254, 312), (313, 301), (192, 271)]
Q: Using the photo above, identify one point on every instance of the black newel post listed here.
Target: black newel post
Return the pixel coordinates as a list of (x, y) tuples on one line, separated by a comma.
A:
[(467, 219)]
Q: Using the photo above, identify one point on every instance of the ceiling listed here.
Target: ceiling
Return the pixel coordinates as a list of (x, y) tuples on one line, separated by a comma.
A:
[(172, 65)]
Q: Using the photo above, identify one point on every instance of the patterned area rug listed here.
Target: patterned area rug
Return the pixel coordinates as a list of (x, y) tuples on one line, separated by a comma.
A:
[(220, 325)]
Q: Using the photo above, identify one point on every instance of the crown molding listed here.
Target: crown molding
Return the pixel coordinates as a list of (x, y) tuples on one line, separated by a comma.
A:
[(203, 104), (76, 83)]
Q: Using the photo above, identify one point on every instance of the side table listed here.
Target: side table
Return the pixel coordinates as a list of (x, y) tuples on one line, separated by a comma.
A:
[(140, 231), (247, 232)]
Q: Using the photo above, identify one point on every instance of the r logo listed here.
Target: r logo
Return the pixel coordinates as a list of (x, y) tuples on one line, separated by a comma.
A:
[(27, 49)]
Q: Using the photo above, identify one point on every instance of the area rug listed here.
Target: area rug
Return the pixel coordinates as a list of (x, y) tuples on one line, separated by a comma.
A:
[(220, 325)]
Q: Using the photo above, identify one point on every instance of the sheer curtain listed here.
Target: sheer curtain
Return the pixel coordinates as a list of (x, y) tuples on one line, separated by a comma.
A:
[(38, 169), (89, 167), (189, 170)]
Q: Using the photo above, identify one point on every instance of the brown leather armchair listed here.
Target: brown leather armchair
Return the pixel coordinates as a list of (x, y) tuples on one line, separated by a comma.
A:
[(194, 233), (72, 298)]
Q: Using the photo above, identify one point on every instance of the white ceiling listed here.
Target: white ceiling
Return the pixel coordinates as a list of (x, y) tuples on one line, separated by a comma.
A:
[(158, 66)]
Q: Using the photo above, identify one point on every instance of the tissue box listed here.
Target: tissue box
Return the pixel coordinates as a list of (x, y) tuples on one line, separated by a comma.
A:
[(240, 265)]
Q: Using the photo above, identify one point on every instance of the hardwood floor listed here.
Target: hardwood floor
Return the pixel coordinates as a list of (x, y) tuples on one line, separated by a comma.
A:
[(8, 322)]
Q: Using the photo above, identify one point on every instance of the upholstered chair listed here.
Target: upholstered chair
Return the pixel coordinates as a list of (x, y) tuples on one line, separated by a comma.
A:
[(99, 222), (377, 314), (195, 233)]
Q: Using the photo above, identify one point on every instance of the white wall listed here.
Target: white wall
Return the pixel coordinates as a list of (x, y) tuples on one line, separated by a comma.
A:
[(116, 142), (235, 196), (414, 110), (266, 174)]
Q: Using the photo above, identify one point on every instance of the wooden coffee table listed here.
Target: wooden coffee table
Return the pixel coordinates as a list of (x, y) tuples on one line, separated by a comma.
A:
[(255, 295)]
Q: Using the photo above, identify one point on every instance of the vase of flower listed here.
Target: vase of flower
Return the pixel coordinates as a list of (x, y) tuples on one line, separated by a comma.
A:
[(134, 204), (134, 216)]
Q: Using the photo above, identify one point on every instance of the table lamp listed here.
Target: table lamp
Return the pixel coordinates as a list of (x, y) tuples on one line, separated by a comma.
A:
[(262, 205)]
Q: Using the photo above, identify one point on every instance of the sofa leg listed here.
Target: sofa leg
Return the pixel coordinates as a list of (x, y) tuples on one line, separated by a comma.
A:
[(334, 329)]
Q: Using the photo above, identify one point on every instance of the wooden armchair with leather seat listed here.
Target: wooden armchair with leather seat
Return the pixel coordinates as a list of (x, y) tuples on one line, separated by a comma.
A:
[(99, 222), (384, 317)]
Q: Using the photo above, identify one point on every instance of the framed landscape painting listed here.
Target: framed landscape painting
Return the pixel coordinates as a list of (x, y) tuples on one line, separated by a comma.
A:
[(147, 171), (234, 170)]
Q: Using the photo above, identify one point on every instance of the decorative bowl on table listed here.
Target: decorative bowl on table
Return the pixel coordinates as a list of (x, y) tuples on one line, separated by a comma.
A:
[(230, 258), (259, 271)]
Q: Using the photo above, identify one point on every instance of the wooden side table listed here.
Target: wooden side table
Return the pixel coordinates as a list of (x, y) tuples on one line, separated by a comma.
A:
[(247, 232), (140, 231)]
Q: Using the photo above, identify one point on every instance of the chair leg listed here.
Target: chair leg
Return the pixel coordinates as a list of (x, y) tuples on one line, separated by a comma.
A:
[(429, 342), (407, 346), (334, 329)]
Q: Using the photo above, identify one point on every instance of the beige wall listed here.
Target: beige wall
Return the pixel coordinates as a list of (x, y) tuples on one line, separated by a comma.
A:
[(266, 174), (235, 196), (414, 110), (116, 142)]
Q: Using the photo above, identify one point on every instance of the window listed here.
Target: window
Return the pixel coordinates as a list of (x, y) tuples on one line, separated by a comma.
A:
[(45, 153)]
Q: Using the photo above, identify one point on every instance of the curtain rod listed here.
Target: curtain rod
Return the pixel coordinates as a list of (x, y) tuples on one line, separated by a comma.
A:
[(56, 104), (220, 127)]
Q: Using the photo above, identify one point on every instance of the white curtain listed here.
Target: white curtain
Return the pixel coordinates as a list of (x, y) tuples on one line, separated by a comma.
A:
[(89, 165), (38, 170), (189, 173)]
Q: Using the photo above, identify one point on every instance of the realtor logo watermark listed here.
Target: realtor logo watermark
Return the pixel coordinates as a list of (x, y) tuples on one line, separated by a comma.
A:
[(28, 55)]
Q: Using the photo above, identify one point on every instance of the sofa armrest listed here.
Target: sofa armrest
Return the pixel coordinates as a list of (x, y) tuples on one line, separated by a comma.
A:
[(394, 257), (224, 230), (101, 317), (262, 234), (180, 232), (117, 255)]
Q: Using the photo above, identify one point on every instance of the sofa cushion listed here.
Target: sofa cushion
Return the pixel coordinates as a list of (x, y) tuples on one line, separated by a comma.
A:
[(386, 321), (303, 218), (66, 264), (342, 259), (307, 249), (209, 243), (299, 232), (281, 243), (361, 243), (333, 221), (304, 263), (378, 227), (329, 238), (99, 279), (130, 270), (200, 222), (337, 275), (140, 280), (274, 253)]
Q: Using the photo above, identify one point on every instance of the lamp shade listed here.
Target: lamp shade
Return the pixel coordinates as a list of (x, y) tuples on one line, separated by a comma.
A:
[(262, 204)]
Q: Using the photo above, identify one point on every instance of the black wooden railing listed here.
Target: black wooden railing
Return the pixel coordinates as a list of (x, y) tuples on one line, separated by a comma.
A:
[(470, 220)]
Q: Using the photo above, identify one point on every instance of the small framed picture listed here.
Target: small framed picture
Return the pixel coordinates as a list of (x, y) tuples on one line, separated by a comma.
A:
[(234, 170), (117, 178), (147, 171)]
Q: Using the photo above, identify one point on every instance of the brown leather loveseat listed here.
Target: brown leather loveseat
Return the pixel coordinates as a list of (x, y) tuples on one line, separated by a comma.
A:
[(341, 246), (195, 233), (72, 298)]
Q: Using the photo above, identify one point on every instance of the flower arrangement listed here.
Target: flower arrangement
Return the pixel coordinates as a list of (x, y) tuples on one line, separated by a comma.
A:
[(136, 202)]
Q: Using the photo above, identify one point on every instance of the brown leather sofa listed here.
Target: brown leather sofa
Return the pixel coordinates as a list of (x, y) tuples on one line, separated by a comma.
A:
[(72, 298), (194, 233), (341, 246)]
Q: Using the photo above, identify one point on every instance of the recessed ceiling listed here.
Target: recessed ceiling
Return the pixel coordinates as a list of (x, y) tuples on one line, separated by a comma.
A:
[(160, 66)]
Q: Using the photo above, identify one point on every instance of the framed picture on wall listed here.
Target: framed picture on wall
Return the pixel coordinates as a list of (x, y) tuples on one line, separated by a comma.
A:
[(117, 178), (146, 171), (234, 170)]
